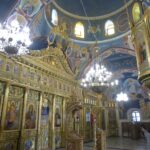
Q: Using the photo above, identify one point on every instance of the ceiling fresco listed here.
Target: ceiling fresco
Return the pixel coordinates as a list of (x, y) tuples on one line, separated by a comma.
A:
[(93, 8), (6, 7), (116, 51)]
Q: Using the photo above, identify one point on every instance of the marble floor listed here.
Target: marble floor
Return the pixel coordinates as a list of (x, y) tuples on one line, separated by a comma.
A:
[(121, 144)]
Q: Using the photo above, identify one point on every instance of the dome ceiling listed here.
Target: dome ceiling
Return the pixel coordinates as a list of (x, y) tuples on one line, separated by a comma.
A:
[(116, 50), (92, 7)]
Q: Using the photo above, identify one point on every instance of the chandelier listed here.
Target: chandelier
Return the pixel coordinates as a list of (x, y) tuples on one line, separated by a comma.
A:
[(122, 97), (14, 39), (98, 76)]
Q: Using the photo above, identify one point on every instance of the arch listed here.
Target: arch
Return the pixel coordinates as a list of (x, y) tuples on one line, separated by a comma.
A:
[(134, 115), (79, 30), (54, 17), (109, 28)]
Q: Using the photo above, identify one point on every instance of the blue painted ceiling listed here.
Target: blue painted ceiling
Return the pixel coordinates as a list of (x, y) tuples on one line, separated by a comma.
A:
[(6, 6), (118, 54), (92, 7)]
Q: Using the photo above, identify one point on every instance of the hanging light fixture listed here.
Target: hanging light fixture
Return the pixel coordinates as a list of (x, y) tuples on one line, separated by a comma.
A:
[(98, 75), (122, 97), (14, 39)]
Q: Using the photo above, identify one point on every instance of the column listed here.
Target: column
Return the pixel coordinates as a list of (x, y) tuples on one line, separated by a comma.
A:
[(5, 105), (39, 123), (64, 122), (53, 124), (21, 140)]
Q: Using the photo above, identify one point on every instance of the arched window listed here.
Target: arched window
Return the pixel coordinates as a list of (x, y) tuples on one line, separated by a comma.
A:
[(109, 28), (54, 17), (136, 12), (136, 116), (79, 30)]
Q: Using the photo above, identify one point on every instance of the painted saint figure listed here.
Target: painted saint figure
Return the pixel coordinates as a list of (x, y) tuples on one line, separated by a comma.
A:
[(30, 118), (28, 145), (11, 116), (57, 118)]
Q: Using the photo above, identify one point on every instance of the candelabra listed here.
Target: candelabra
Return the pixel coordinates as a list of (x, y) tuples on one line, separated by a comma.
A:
[(14, 39), (98, 76)]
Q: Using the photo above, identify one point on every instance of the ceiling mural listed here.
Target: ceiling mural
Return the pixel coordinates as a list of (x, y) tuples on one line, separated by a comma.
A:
[(6, 7), (116, 51), (30, 7), (80, 56), (93, 8)]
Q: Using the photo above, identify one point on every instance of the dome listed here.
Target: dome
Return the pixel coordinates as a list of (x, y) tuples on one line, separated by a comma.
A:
[(93, 16), (89, 8), (82, 27)]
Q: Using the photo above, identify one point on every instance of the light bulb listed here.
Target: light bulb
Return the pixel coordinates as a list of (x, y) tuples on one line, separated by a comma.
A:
[(15, 23)]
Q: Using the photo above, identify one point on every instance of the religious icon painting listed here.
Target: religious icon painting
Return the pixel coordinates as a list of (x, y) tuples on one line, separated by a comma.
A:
[(30, 7), (12, 115), (45, 112), (16, 69), (1, 63), (29, 144), (8, 67), (58, 112), (30, 116), (10, 146), (88, 116), (58, 117), (58, 140), (51, 38), (44, 138)]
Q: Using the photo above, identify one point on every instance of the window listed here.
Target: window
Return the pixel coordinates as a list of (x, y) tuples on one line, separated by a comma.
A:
[(136, 12), (54, 17), (109, 28), (136, 116), (79, 30)]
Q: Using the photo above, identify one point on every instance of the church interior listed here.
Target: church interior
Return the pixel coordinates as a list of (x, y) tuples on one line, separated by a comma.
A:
[(75, 74)]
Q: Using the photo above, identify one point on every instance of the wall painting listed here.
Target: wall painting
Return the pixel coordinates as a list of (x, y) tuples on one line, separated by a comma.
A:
[(13, 109), (58, 112), (29, 144), (30, 117)]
